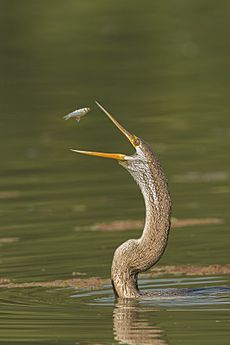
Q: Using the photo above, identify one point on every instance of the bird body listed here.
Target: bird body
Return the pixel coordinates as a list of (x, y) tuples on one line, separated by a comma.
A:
[(138, 255)]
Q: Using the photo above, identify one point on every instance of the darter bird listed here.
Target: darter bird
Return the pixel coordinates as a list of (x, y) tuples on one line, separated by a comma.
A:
[(138, 255)]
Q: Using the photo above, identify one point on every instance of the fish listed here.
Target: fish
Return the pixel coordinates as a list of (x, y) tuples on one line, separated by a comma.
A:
[(77, 114)]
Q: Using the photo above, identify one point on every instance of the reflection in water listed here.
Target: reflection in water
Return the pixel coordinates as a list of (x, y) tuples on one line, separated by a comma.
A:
[(130, 328), (130, 316)]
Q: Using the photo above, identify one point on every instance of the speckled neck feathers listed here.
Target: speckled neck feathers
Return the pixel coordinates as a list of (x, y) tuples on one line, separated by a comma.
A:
[(138, 255)]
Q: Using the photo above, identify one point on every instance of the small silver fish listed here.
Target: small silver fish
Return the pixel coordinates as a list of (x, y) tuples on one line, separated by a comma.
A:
[(77, 114)]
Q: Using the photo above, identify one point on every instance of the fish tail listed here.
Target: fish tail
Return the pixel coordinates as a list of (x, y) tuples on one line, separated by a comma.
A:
[(66, 117)]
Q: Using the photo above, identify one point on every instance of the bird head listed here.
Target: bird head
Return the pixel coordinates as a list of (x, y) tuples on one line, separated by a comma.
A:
[(134, 163)]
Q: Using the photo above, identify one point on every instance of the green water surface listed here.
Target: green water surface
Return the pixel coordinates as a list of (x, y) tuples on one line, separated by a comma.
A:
[(162, 68)]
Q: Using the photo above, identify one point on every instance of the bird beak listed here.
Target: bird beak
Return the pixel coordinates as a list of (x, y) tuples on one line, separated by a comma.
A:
[(119, 156)]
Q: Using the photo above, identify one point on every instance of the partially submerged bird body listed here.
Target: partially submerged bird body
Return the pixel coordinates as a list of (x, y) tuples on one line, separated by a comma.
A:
[(138, 255)]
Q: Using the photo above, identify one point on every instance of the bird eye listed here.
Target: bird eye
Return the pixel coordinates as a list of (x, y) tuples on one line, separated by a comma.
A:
[(136, 141)]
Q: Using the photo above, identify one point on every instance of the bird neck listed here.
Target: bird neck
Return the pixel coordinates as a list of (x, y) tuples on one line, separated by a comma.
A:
[(135, 256), (157, 219)]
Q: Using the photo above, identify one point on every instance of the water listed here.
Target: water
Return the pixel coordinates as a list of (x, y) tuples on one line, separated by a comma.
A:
[(163, 70), (64, 316)]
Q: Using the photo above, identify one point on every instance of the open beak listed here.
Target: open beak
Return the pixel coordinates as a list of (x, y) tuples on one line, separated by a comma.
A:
[(119, 156)]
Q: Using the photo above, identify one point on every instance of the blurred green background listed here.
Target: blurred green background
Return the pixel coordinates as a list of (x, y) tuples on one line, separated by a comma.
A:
[(162, 69)]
